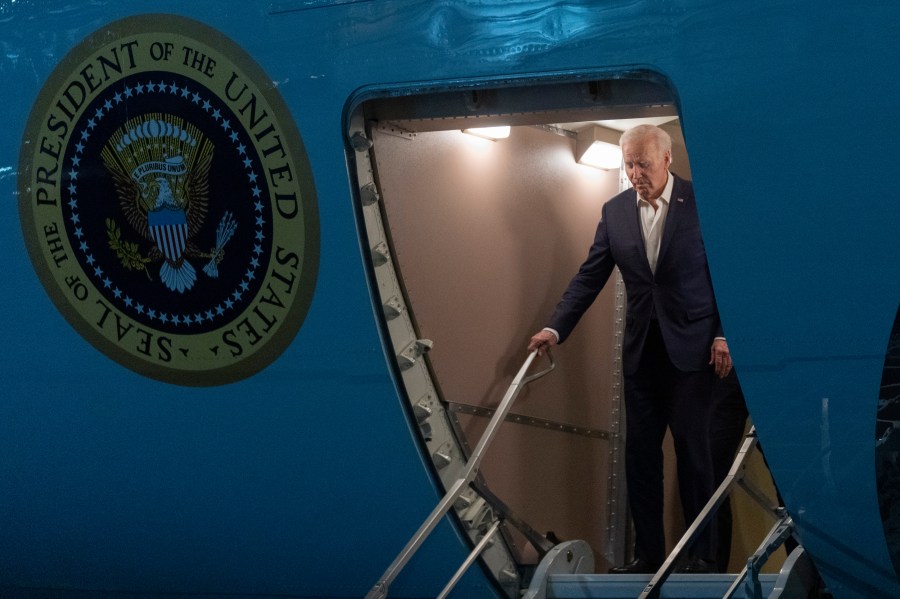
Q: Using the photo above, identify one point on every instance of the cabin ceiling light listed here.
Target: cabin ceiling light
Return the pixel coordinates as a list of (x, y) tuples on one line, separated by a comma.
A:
[(492, 133), (598, 147)]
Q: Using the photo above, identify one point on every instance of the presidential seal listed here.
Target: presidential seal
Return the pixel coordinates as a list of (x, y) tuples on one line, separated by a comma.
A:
[(167, 202)]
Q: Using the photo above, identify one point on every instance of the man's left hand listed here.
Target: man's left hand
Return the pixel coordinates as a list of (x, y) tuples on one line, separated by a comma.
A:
[(720, 357)]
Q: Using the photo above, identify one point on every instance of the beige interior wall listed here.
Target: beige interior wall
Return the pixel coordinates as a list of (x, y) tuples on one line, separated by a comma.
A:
[(487, 235)]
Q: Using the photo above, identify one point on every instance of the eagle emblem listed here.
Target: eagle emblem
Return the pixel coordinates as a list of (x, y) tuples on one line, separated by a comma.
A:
[(160, 167)]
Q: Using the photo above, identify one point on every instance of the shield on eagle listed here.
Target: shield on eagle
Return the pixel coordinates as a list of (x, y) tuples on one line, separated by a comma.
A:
[(169, 229)]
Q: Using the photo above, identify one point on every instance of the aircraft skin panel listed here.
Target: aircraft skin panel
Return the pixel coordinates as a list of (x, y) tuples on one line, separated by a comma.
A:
[(304, 479), (261, 487), (810, 342)]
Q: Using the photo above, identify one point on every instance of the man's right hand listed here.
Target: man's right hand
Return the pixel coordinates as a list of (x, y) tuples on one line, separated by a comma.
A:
[(542, 340)]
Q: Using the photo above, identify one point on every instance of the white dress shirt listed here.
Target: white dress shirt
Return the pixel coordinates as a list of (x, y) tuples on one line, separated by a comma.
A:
[(653, 221)]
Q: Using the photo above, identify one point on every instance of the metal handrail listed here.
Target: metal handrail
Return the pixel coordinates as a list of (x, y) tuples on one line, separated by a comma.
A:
[(481, 546), (380, 590), (749, 575), (735, 477)]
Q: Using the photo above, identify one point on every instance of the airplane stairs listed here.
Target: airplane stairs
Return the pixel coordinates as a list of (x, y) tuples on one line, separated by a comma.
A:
[(564, 573), (621, 586), (566, 569)]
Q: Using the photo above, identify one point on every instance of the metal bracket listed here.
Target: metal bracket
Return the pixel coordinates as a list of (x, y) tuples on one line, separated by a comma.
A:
[(541, 543), (478, 515), (392, 308), (570, 557), (415, 350), (442, 458), (381, 254), (360, 142), (422, 410), (368, 194)]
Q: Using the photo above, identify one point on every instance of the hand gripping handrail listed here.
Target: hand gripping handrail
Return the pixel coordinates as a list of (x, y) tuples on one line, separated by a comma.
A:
[(380, 590)]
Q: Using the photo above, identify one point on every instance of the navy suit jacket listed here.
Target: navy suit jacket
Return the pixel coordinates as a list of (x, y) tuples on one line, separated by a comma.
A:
[(679, 295)]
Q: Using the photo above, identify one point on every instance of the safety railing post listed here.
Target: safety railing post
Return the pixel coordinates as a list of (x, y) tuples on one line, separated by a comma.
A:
[(380, 589)]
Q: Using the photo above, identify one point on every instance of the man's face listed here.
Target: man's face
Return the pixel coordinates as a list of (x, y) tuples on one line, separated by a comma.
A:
[(646, 167)]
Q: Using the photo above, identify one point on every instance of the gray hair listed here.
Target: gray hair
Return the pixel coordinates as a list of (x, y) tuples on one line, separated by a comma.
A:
[(652, 132)]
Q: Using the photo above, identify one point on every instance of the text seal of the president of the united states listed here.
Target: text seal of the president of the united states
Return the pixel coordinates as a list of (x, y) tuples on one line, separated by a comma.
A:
[(167, 202)]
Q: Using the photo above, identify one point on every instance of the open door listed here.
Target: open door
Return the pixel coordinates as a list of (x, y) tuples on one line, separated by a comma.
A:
[(471, 242)]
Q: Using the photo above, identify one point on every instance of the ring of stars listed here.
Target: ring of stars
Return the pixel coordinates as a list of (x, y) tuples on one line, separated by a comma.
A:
[(144, 310)]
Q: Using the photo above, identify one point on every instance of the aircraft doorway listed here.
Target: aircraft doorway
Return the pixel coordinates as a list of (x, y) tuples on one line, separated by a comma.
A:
[(472, 242)]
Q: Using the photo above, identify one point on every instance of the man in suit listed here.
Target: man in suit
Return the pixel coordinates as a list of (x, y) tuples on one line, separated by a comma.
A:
[(673, 339)]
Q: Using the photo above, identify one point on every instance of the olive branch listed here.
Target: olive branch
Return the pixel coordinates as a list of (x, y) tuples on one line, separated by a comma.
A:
[(126, 251)]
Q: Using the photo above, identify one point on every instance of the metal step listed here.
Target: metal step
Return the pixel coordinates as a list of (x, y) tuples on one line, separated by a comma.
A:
[(630, 586)]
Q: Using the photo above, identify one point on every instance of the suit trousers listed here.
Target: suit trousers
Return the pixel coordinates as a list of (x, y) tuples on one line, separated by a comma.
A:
[(657, 396), (727, 424)]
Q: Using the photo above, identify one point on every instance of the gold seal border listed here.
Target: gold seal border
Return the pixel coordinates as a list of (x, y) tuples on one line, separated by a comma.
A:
[(185, 28)]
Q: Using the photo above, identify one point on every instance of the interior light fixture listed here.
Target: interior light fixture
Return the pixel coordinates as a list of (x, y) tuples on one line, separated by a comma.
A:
[(598, 147), (492, 133)]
